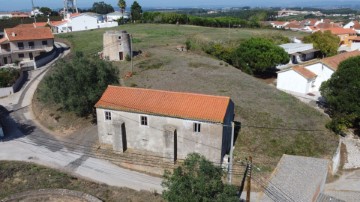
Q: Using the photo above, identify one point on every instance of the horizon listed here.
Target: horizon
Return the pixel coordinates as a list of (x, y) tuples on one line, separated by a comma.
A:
[(18, 5)]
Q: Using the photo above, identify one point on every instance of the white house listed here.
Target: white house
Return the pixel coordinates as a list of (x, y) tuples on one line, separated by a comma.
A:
[(308, 78), (353, 25), (5, 15), (80, 22), (279, 24), (165, 123), (299, 52), (114, 16)]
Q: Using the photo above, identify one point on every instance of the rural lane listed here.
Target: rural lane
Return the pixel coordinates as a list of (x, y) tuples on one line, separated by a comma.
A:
[(27, 141)]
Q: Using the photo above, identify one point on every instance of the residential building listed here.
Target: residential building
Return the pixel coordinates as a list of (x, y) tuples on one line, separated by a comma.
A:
[(345, 35), (309, 77), (117, 45), (353, 25), (24, 43), (114, 16), (81, 22), (165, 123), (5, 15), (299, 52), (279, 24)]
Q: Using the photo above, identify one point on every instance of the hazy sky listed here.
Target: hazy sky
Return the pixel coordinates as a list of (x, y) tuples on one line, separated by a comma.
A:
[(26, 4)]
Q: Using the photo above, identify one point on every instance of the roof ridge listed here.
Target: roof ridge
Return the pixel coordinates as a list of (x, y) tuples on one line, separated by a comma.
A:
[(171, 92)]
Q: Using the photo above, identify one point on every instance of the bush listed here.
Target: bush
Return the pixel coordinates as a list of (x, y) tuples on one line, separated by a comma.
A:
[(76, 85), (342, 94), (8, 76), (128, 57)]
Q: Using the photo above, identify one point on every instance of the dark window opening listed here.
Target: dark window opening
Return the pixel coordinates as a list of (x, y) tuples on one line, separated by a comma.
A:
[(108, 116), (197, 127), (144, 120)]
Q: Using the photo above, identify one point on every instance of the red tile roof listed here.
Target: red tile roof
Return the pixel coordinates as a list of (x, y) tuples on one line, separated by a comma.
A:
[(334, 61), (340, 31), (25, 26), (23, 34), (304, 72), (165, 103), (72, 15), (40, 24), (57, 23)]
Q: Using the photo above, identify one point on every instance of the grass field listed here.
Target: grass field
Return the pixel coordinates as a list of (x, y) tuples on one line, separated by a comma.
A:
[(273, 122), (17, 177)]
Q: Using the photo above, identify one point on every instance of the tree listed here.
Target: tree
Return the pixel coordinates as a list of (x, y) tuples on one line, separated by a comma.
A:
[(342, 95), (76, 85), (197, 180), (136, 11), (102, 8), (326, 42), (257, 55), (45, 10), (122, 6)]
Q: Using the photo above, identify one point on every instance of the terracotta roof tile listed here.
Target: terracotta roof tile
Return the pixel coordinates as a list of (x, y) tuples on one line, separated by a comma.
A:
[(334, 61), (340, 31), (165, 103), (40, 24), (25, 26), (72, 15), (57, 23), (22, 34), (304, 72)]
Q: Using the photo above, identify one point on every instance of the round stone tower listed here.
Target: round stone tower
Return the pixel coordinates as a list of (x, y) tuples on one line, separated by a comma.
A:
[(117, 45)]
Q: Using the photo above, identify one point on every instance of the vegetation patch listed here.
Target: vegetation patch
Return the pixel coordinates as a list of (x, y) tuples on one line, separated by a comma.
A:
[(76, 85), (8, 76), (16, 177)]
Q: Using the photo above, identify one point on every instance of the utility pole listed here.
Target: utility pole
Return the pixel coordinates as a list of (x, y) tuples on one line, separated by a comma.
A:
[(131, 53), (231, 153), (248, 184)]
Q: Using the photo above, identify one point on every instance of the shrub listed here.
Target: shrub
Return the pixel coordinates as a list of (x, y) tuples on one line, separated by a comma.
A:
[(8, 76), (76, 85)]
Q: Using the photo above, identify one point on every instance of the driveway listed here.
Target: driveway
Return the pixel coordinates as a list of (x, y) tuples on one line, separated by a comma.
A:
[(28, 141)]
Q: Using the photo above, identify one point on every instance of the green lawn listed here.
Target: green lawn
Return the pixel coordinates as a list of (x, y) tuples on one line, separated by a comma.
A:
[(150, 35), (273, 122)]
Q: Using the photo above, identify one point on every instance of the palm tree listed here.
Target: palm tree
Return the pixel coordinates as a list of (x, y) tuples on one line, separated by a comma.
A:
[(122, 6)]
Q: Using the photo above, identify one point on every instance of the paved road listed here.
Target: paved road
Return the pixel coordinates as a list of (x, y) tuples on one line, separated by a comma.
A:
[(27, 141)]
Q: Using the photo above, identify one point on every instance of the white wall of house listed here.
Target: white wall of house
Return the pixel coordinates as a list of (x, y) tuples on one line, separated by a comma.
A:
[(154, 138), (84, 22), (292, 81), (323, 74), (349, 25)]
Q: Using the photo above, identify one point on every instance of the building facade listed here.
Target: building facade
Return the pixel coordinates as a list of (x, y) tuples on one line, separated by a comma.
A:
[(21, 44), (309, 77), (167, 124), (117, 45)]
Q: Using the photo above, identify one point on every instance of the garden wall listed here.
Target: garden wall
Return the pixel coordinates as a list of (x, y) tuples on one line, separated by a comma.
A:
[(14, 88)]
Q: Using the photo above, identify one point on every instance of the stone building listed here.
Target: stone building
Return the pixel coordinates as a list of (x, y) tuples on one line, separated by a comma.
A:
[(117, 45), (165, 123)]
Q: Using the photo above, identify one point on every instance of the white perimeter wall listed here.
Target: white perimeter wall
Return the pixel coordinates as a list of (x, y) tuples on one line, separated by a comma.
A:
[(84, 22), (292, 81)]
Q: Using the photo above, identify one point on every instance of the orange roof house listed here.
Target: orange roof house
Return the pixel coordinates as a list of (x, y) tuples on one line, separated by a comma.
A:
[(304, 72), (28, 33), (309, 77), (334, 61), (165, 103), (169, 124)]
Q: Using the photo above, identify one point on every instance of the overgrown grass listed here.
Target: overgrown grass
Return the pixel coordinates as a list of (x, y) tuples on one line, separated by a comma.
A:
[(16, 177), (273, 122), (150, 35)]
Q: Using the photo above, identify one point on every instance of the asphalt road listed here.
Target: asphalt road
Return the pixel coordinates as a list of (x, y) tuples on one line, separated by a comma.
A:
[(27, 141)]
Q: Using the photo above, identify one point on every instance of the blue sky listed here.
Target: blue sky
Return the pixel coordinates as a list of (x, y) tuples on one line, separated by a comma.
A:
[(26, 4)]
